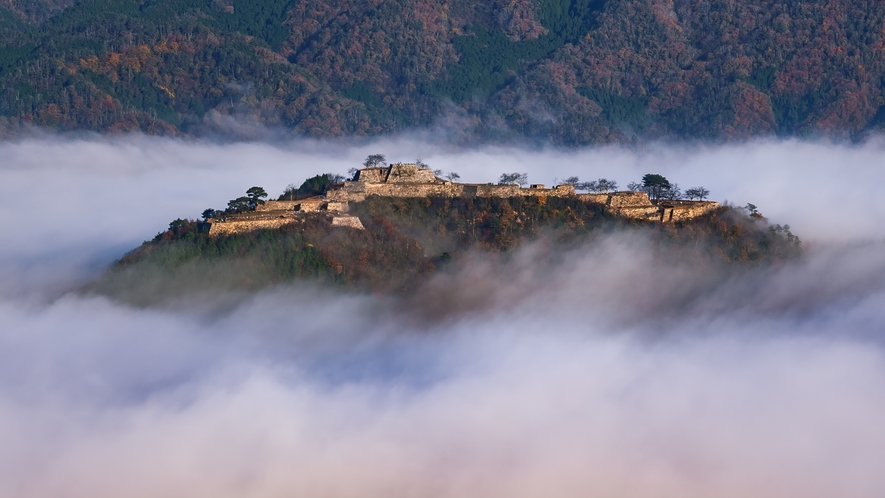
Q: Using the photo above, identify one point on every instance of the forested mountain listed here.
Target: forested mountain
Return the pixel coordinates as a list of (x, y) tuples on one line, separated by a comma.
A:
[(564, 71)]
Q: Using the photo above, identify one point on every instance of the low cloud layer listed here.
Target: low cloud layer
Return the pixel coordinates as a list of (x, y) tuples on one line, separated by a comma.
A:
[(609, 369)]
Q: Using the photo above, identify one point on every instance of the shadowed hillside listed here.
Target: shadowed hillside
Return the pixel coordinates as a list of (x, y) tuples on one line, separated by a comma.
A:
[(408, 240), (565, 71)]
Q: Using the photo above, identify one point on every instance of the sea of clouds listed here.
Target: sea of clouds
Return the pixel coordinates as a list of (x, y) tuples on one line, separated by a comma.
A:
[(608, 369)]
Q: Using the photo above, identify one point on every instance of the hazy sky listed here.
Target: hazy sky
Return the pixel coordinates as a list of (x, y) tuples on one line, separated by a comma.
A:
[(610, 370)]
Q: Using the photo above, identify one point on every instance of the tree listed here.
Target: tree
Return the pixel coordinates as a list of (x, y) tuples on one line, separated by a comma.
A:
[(256, 197), (239, 205), (656, 186), (573, 181), (375, 160), (607, 185), (209, 213), (452, 176), (315, 185), (672, 193), (290, 194), (513, 179), (699, 193), (600, 186), (177, 224), (755, 214)]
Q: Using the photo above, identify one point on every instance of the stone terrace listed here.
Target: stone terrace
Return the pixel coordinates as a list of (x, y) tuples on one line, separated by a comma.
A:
[(410, 180)]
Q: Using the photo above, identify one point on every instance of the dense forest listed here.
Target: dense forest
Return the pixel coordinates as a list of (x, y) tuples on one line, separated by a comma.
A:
[(562, 71), (408, 240)]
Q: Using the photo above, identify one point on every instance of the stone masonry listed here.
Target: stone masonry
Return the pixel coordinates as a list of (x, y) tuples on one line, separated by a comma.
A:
[(410, 180)]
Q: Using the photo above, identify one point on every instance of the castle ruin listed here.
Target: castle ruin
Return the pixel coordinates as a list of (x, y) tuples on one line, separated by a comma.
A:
[(411, 180)]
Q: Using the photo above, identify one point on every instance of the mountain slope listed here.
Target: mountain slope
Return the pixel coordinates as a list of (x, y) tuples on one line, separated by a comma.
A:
[(566, 71)]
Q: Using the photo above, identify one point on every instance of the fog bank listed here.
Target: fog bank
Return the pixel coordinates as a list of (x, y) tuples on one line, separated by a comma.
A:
[(611, 369)]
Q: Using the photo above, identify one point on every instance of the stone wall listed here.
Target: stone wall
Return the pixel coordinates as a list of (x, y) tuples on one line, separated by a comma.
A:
[(348, 221), (408, 180), (687, 211), (374, 175), (358, 190), (647, 213), (230, 227), (311, 204), (410, 173), (277, 206), (623, 199)]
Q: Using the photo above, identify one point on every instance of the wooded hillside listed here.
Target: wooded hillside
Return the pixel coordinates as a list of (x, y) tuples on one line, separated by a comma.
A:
[(565, 71)]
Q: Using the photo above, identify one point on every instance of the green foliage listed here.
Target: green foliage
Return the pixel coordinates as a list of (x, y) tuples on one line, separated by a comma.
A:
[(488, 58), (262, 19), (619, 110), (256, 196), (655, 185), (9, 20), (316, 185), (361, 92), (239, 205)]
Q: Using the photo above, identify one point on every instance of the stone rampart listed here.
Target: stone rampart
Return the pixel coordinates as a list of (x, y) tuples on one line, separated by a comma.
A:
[(231, 227), (595, 198), (348, 221), (623, 199), (357, 191), (410, 173), (411, 181), (687, 210), (374, 175), (647, 213), (277, 206)]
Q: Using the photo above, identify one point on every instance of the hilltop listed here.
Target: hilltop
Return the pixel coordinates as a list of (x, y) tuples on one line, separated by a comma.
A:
[(562, 71), (391, 228)]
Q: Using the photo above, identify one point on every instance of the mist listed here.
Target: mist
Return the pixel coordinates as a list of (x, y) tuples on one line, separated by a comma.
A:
[(603, 369)]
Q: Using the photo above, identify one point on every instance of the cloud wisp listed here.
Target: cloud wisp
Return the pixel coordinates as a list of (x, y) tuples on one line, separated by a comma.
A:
[(609, 368)]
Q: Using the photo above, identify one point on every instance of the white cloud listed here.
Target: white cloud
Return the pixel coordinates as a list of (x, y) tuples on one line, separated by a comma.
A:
[(610, 370)]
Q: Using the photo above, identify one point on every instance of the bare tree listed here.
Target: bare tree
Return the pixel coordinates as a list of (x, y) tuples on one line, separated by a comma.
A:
[(452, 176), (573, 181), (290, 193), (672, 193), (699, 193), (600, 186), (603, 185), (513, 179), (375, 160)]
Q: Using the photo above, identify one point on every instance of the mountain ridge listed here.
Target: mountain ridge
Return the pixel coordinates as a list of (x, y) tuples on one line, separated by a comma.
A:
[(569, 72)]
